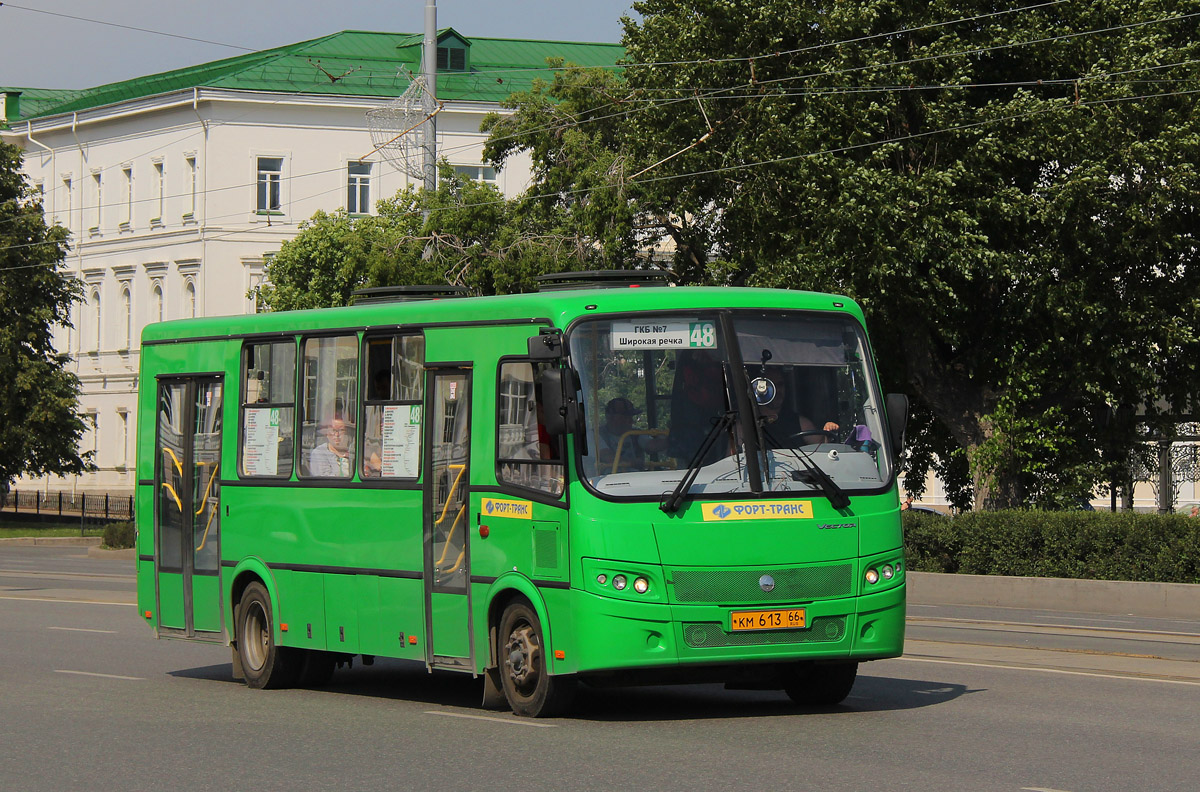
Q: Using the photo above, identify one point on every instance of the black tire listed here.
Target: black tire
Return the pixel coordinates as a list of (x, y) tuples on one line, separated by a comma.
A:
[(531, 692), (316, 668), (822, 685), (264, 664)]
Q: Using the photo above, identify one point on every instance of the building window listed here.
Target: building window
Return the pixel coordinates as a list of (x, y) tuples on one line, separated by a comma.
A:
[(451, 59), (189, 299), (270, 178), (358, 188), (191, 169), (156, 295), (67, 198), (98, 199), (160, 182), (480, 173), (127, 313), (123, 454), (97, 321), (127, 204)]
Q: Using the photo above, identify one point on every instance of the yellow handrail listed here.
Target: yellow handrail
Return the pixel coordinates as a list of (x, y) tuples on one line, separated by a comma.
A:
[(450, 494), (178, 466), (449, 536), (621, 442), (208, 488), (171, 490)]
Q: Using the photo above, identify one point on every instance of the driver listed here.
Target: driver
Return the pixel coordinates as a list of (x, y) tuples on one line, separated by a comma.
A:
[(618, 421), (783, 425)]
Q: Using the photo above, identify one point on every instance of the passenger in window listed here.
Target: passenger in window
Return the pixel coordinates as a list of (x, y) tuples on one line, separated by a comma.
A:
[(331, 459)]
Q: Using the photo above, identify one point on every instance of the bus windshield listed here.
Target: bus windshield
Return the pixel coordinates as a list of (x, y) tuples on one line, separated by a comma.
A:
[(654, 388)]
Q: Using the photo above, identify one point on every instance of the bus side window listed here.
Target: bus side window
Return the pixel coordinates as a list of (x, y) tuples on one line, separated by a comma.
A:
[(329, 407), (395, 366), (268, 409), (526, 455)]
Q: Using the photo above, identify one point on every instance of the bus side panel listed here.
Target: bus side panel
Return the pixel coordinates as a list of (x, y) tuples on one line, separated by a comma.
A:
[(399, 618)]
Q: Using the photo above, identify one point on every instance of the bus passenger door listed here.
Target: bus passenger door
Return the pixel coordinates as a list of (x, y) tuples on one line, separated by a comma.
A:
[(186, 506), (447, 551)]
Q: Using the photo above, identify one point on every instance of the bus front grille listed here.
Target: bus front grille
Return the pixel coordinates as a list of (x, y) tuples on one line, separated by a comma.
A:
[(737, 586), (705, 635)]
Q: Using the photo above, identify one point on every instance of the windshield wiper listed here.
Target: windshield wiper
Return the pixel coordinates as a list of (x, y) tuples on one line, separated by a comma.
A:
[(672, 501), (813, 474)]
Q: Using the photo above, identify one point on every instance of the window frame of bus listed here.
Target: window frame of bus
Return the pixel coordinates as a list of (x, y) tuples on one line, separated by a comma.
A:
[(243, 404), (301, 393), (560, 460), (393, 335)]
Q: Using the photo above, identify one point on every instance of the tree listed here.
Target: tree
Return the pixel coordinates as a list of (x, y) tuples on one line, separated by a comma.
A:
[(40, 425), (1010, 193), (472, 237)]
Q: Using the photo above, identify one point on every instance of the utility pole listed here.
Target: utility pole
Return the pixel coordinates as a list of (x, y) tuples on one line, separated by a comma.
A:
[(429, 73)]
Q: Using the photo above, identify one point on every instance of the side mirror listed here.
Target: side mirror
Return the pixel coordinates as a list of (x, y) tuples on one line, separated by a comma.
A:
[(546, 345), (561, 412), (897, 418)]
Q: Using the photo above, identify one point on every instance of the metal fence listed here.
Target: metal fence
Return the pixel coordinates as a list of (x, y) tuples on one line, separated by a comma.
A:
[(68, 504)]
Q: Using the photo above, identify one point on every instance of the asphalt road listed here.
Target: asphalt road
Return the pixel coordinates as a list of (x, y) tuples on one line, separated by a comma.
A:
[(984, 699)]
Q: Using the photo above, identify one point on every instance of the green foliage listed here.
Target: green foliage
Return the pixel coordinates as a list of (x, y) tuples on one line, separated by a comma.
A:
[(1011, 198), (40, 426), (1086, 545), (119, 535), (472, 237)]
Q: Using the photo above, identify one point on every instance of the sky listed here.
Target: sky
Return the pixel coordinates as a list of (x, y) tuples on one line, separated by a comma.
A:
[(40, 50)]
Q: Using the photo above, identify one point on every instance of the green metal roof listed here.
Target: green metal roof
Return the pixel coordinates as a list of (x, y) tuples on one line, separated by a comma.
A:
[(350, 63)]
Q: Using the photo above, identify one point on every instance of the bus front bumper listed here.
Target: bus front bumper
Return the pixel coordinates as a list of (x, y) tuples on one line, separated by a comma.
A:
[(612, 634)]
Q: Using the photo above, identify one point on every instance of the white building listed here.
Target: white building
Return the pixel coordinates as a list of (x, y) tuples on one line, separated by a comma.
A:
[(176, 187)]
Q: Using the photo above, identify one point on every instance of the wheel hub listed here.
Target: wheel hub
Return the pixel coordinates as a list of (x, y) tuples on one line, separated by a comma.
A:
[(522, 656)]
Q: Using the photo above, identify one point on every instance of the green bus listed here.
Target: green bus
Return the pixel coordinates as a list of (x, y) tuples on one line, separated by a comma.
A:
[(607, 481)]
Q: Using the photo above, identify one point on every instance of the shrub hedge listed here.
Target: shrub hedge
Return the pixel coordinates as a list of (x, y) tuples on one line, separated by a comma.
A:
[(119, 535), (1161, 548)]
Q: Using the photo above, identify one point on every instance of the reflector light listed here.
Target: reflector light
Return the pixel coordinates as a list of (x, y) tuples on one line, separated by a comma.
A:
[(619, 582), (283, 628), (559, 654), (872, 576), (147, 614), (484, 531), (641, 585), (412, 639)]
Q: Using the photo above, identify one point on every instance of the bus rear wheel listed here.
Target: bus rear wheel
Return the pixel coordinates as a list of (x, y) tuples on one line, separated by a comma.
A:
[(822, 685), (530, 690), (264, 664)]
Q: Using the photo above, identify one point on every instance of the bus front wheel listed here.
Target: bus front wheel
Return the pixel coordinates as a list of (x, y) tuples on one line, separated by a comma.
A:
[(822, 685), (530, 690), (264, 665)]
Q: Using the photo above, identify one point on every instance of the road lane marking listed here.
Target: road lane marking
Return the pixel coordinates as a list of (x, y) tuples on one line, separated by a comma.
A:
[(1049, 670), (508, 721), (82, 629), (71, 602), (93, 674)]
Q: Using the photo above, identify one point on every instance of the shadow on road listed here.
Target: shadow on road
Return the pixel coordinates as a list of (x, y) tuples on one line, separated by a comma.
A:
[(403, 680)]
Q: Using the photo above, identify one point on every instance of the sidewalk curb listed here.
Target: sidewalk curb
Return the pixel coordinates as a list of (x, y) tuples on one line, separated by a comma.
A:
[(1149, 600), (60, 541), (124, 554)]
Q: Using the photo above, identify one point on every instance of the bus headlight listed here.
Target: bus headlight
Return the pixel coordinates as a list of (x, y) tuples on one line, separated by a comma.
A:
[(619, 582), (641, 585), (872, 576), (888, 571)]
